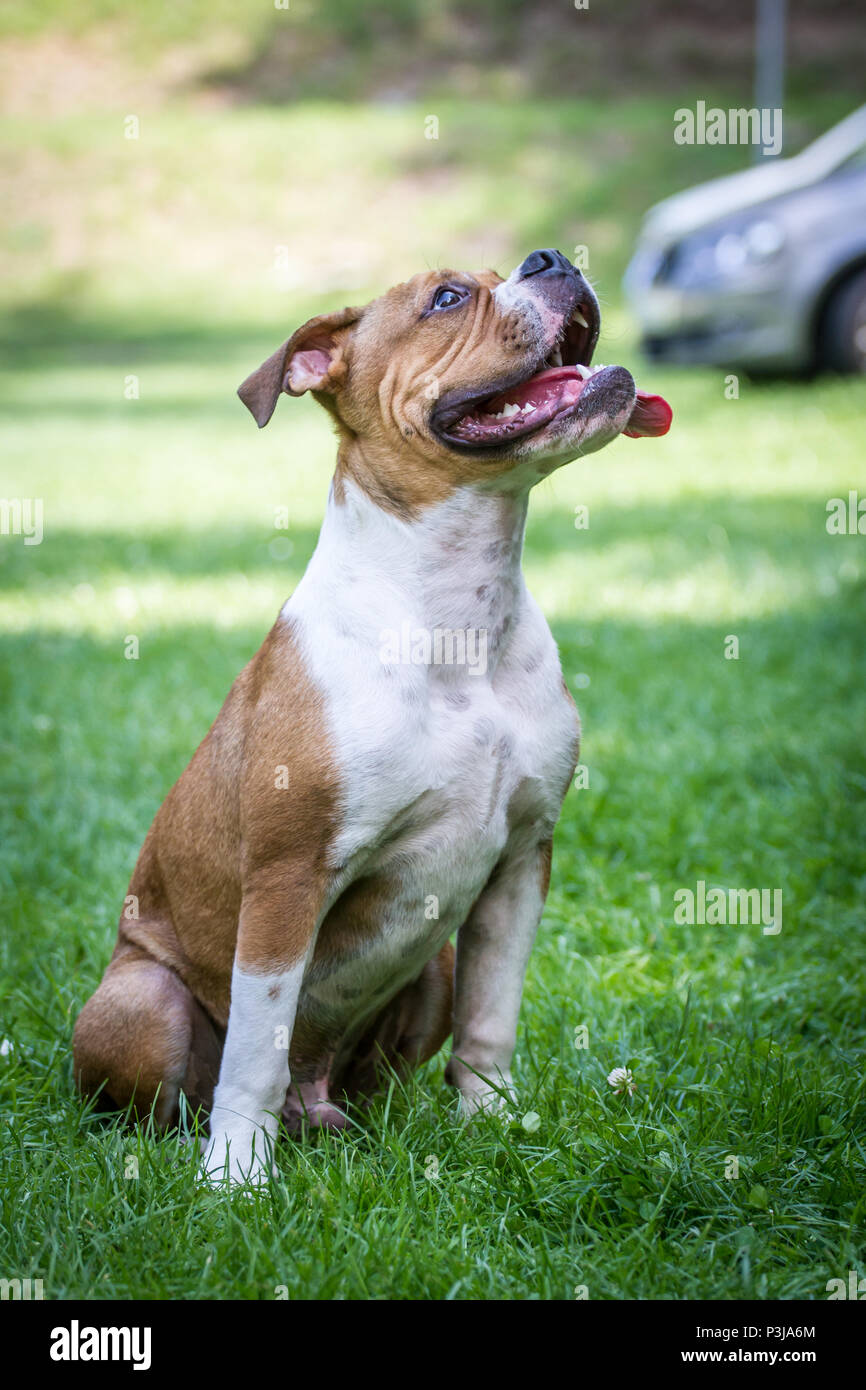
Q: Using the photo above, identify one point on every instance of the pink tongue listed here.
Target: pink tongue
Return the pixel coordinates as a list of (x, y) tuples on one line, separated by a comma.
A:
[(651, 417)]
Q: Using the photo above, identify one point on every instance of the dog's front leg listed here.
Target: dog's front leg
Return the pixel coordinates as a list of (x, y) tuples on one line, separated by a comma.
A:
[(268, 971), (493, 948)]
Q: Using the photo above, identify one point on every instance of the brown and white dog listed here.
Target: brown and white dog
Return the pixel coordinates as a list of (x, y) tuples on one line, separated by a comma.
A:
[(357, 800)]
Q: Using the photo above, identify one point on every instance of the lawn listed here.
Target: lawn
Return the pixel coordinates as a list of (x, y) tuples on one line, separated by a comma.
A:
[(750, 772)]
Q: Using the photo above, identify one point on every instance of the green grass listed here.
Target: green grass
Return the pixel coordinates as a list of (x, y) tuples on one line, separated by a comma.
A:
[(159, 522)]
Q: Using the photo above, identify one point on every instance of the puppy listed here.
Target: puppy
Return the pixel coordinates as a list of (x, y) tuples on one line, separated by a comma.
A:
[(388, 769)]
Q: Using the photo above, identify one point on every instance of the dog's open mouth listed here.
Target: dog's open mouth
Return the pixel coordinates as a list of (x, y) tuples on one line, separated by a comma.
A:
[(527, 406)]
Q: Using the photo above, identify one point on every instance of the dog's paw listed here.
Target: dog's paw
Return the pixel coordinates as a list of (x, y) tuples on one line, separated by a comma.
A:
[(239, 1161), (482, 1091), (482, 1099)]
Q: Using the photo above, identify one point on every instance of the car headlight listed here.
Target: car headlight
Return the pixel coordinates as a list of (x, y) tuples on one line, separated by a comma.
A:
[(702, 259), (764, 239)]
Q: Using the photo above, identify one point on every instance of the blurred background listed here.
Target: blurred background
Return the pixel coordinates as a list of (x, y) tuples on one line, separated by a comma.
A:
[(304, 128)]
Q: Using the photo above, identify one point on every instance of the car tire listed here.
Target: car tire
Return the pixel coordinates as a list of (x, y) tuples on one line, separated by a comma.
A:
[(842, 344)]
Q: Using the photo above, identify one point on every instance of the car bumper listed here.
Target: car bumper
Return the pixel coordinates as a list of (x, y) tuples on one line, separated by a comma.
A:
[(756, 327)]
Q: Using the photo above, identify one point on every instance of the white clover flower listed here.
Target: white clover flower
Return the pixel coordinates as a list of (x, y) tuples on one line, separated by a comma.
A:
[(622, 1080)]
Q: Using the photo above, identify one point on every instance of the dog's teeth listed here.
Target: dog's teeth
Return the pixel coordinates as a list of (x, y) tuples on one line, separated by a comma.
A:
[(577, 317), (584, 372), (528, 408), (556, 358)]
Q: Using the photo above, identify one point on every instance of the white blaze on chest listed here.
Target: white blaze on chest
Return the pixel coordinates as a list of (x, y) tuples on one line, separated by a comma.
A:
[(432, 752)]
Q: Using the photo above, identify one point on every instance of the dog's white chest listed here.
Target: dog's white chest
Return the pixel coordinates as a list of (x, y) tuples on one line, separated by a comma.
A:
[(431, 802), (455, 762), (447, 747)]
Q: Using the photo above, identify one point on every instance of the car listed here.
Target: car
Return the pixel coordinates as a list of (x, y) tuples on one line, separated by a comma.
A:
[(763, 270)]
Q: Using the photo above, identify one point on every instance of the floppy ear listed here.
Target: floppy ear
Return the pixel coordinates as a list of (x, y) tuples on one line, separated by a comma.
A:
[(311, 360)]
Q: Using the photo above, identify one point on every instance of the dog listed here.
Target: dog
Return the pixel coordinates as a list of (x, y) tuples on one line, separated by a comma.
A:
[(285, 942)]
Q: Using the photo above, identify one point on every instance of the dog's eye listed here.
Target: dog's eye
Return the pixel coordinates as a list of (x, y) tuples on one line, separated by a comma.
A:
[(446, 297)]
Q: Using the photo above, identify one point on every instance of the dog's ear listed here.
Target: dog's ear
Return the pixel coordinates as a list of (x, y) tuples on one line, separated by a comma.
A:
[(312, 360)]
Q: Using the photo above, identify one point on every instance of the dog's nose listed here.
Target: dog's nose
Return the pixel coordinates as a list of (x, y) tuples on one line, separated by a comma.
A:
[(549, 262)]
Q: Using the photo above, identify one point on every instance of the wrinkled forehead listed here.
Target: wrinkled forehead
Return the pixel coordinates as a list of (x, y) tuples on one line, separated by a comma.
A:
[(404, 304)]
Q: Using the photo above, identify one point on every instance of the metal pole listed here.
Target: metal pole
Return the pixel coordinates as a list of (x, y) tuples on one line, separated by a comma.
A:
[(770, 17)]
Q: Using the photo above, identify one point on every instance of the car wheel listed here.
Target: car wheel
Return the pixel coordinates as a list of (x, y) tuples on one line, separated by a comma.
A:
[(843, 334)]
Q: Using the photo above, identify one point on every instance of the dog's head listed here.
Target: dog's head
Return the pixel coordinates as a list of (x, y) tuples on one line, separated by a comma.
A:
[(453, 379)]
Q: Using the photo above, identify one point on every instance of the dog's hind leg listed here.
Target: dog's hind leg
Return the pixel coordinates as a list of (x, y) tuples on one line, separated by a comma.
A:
[(144, 1038), (410, 1030)]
